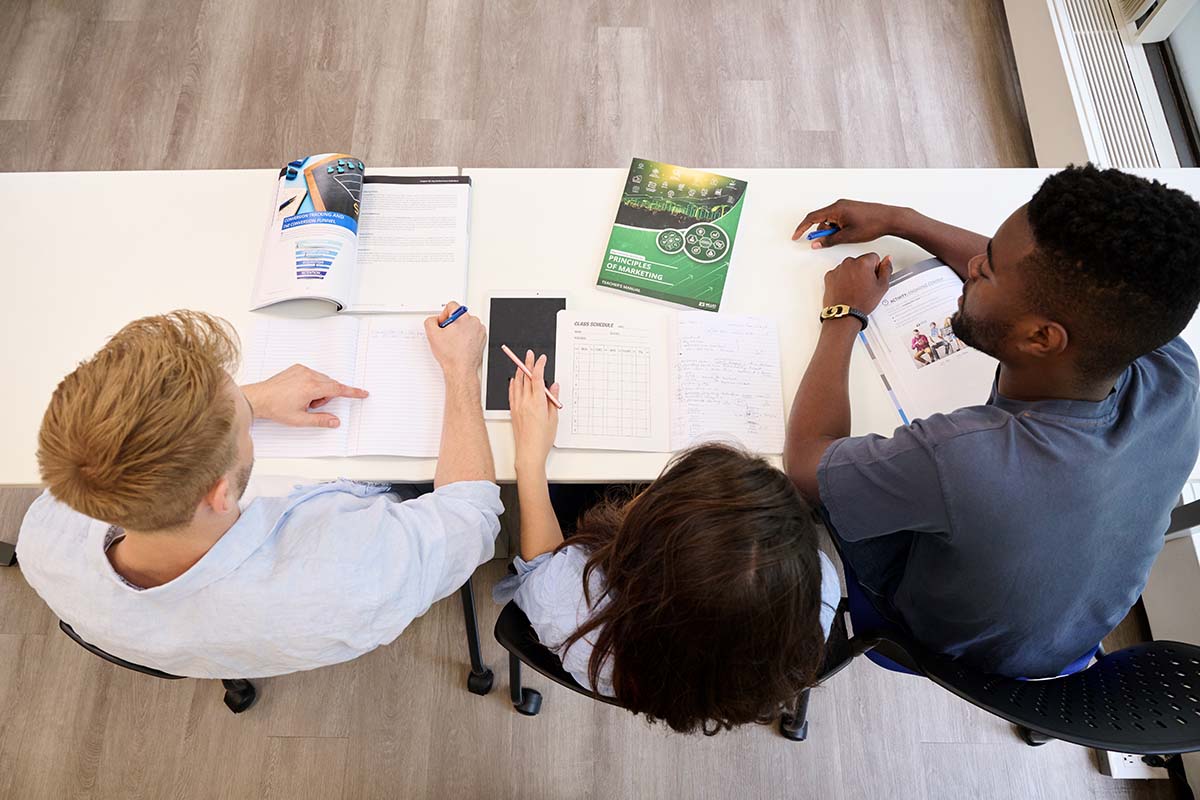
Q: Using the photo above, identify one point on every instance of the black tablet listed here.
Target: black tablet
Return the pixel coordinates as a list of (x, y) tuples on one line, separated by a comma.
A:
[(522, 323)]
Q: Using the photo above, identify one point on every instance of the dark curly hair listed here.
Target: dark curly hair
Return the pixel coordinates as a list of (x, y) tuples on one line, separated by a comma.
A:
[(1117, 261), (713, 585)]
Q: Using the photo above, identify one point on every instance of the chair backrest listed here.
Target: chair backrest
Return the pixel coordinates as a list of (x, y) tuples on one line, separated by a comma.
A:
[(120, 662), (1144, 699), (516, 635)]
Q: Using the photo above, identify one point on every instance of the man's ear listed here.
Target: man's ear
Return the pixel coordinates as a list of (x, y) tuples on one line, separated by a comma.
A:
[(1045, 338), (218, 498)]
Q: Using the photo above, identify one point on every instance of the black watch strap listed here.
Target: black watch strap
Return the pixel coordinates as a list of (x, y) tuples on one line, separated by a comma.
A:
[(840, 311)]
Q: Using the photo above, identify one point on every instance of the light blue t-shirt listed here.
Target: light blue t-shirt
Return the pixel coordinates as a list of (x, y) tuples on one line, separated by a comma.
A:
[(1017, 534), (549, 589)]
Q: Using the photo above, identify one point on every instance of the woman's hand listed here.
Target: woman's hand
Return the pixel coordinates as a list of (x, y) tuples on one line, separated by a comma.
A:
[(534, 417)]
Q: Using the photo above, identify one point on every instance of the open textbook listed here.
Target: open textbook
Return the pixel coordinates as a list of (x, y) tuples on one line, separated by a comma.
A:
[(387, 356), (366, 243), (661, 383), (925, 367)]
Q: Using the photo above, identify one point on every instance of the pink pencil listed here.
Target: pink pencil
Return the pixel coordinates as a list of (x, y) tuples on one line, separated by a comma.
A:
[(521, 366)]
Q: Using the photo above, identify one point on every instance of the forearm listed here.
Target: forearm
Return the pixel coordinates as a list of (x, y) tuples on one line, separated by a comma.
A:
[(466, 452), (820, 413), (540, 532), (955, 246)]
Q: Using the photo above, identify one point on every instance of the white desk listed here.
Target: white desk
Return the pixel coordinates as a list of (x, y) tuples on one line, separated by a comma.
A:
[(87, 252)]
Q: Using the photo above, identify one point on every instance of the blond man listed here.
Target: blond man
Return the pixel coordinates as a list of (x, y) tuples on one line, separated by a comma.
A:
[(140, 542)]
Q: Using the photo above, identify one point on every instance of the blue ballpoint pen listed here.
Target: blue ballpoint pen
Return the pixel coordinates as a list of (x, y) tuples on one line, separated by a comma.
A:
[(458, 312), (830, 231)]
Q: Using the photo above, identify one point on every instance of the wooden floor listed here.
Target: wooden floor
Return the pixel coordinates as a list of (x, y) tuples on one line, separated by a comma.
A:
[(152, 84), (399, 722), (145, 84)]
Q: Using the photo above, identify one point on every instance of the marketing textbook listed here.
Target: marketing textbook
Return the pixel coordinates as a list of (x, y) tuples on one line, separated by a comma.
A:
[(673, 236)]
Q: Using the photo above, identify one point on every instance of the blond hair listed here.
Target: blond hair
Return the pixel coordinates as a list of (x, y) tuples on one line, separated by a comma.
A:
[(139, 433)]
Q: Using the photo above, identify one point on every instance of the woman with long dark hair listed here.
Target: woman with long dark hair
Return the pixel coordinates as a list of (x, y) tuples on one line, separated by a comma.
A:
[(701, 601)]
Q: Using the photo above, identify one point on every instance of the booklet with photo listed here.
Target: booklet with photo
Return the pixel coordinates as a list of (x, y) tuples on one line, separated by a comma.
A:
[(925, 368), (660, 383), (673, 236), (367, 243), (387, 356)]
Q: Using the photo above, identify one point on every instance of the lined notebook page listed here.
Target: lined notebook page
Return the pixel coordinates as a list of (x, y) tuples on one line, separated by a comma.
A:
[(403, 415), (327, 345), (726, 382)]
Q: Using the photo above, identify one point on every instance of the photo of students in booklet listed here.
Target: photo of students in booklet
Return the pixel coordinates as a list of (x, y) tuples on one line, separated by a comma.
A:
[(932, 342)]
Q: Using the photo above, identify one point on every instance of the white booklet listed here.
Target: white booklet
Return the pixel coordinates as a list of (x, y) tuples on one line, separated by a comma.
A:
[(387, 356), (660, 383), (925, 368), (366, 243)]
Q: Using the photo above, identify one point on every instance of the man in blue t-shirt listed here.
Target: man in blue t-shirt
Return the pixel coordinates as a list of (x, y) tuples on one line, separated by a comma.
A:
[(1017, 533)]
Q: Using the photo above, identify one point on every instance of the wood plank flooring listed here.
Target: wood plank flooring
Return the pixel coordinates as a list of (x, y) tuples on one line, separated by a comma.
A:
[(144, 84), (399, 722), (149, 84)]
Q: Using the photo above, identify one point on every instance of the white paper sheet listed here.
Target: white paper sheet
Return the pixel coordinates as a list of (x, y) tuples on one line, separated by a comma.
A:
[(612, 372), (726, 383), (327, 345), (412, 246), (403, 415), (387, 356)]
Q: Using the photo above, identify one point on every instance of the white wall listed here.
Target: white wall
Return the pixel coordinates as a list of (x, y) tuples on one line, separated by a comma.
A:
[(1185, 44)]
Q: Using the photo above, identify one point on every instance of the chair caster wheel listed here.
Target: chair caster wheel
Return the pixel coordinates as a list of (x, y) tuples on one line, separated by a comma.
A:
[(239, 695), (480, 682), (789, 731), (531, 703), (1031, 737)]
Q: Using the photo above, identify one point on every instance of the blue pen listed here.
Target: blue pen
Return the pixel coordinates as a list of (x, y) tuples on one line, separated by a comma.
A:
[(821, 234), (458, 312)]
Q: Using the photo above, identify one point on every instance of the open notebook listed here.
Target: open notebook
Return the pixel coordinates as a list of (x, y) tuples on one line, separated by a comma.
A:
[(387, 356), (661, 383)]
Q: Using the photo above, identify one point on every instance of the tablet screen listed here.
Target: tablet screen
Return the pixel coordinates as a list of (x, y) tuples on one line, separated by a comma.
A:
[(522, 323)]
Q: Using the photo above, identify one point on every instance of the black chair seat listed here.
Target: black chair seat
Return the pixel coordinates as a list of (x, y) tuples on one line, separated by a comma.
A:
[(1144, 699), (240, 693), (120, 662), (516, 635)]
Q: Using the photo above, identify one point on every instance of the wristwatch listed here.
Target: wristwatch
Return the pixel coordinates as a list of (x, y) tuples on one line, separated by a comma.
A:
[(842, 310)]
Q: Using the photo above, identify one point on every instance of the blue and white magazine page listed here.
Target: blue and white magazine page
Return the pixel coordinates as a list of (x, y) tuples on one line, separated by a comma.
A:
[(925, 367)]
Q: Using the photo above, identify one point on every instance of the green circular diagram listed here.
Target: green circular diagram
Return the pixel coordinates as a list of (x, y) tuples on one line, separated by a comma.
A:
[(704, 242), (670, 241)]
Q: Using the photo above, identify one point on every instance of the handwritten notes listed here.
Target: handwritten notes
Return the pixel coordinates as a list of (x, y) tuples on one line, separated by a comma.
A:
[(726, 384)]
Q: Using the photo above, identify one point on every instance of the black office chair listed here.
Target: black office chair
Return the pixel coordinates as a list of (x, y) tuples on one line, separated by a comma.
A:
[(517, 636), (239, 693), (1144, 699)]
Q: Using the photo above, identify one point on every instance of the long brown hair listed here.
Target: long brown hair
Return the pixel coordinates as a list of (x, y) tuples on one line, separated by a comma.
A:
[(713, 586)]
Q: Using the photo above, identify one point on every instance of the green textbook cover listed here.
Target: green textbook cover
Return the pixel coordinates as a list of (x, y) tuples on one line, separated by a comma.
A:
[(674, 234)]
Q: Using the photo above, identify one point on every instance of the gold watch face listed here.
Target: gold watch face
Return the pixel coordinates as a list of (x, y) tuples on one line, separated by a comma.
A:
[(833, 312)]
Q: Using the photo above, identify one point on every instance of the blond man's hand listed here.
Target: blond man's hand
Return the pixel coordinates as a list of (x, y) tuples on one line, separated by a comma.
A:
[(458, 347), (291, 397)]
